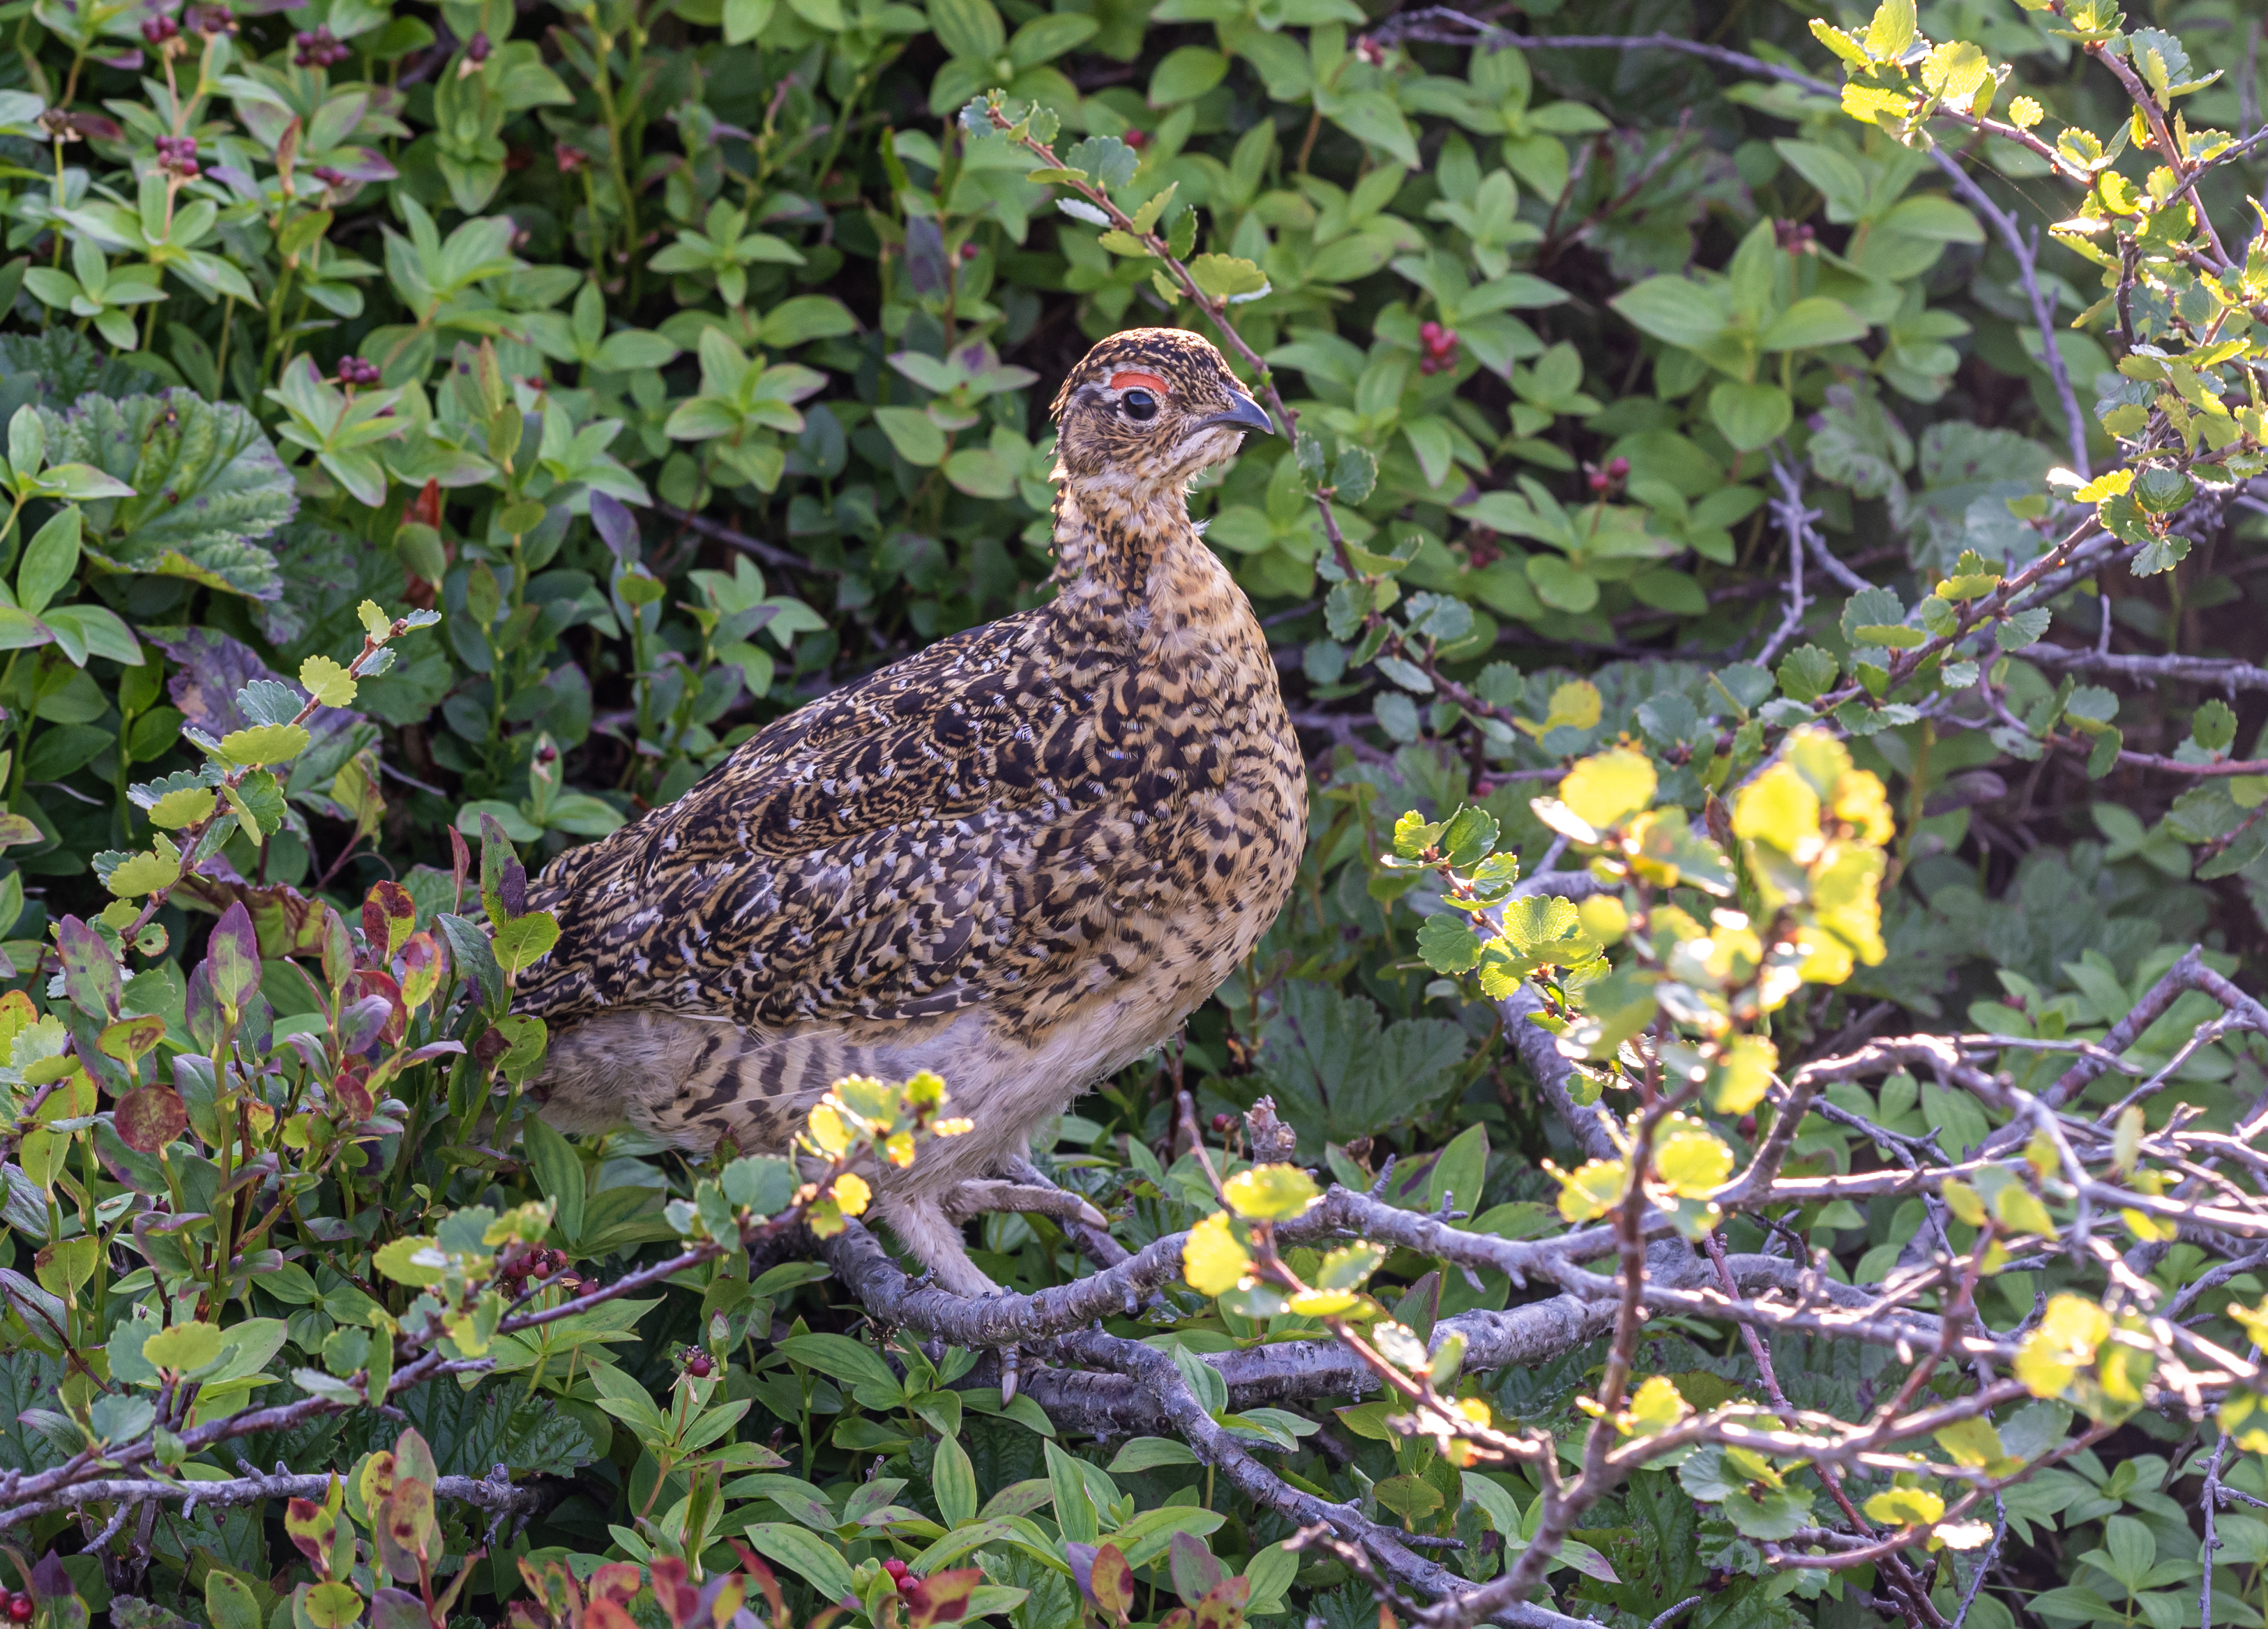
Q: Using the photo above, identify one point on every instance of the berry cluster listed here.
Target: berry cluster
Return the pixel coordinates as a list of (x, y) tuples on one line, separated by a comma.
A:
[(517, 1263), (898, 1570), (319, 48), (1440, 348), (1616, 471), (212, 19), (355, 371), (697, 1362), (20, 1607), (177, 155), (157, 30)]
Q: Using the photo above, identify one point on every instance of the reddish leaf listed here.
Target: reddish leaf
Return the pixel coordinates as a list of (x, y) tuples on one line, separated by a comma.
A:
[(91, 976), (618, 1581), (522, 1614), (940, 1598), (370, 984), (1178, 1619), (677, 1597), (1223, 1607), (1112, 1582), (389, 915), (310, 1527), (1195, 1569), (350, 1098), (604, 1614), (149, 1118), (232, 956), (762, 1574), (553, 1585)]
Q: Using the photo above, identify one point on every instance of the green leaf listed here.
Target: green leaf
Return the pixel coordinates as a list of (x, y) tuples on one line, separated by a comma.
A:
[(209, 485), (1186, 73), (913, 433), (50, 561), (1675, 310), (1813, 322), (1226, 276), (1750, 416), (524, 940), (803, 1551)]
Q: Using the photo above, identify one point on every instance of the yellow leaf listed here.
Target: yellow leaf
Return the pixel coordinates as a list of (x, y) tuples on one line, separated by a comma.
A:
[(1211, 1259), (1271, 1192), (1576, 703), (1744, 1074), (1846, 895), (327, 681), (184, 806), (1591, 1191), (1776, 808), (1691, 1159), (2064, 1343), (1905, 1506), (1655, 1407), (1861, 804), (1604, 789), (827, 1130), (852, 1193)]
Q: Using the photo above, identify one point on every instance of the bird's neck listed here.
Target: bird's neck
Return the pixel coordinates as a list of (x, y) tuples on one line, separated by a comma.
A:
[(1131, 567)]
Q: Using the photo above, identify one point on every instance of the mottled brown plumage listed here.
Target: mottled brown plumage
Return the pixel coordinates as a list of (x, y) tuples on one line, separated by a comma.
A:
[(1019, 858)]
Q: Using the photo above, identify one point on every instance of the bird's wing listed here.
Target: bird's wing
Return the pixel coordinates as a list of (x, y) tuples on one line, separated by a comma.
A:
[(884, 853)]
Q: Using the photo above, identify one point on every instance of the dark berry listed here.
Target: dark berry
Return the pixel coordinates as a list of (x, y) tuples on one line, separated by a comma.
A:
[(157, 30), (20, 1608), (699, 1364), (1619, 467), (1138, 139), (478, 49), (1599, 481), (896, 1569), (1221, 1124), (969, 251)]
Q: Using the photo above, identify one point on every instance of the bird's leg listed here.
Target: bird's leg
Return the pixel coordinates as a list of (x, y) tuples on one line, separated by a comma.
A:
[(981, 1195), (1095, 1242)]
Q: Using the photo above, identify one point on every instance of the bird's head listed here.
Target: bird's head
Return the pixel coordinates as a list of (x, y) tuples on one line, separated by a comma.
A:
[(1148, 410)]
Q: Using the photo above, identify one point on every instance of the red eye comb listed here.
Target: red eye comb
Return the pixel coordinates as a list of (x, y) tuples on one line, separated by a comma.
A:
[(1128, 379)]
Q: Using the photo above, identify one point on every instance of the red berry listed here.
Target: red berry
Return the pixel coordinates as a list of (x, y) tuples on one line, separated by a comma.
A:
[(1449, 340), (1430, 332), (1427, 365), (1138, 139), (20, 1608), (896, 1569), (1619, 467), (699, 1364), (969, 251), (1221, 1124), (1599, 480)]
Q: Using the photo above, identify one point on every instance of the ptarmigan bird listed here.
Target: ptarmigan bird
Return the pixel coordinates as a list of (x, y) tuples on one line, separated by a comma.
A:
[(1019, 859)]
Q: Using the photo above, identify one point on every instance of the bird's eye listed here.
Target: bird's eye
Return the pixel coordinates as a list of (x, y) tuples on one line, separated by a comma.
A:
[(1140, 405)]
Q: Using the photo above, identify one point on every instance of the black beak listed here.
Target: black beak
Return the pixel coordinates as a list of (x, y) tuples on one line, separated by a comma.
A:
[(1246, 415)]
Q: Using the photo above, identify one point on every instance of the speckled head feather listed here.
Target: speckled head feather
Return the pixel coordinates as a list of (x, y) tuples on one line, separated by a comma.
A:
[(1151, 408)]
